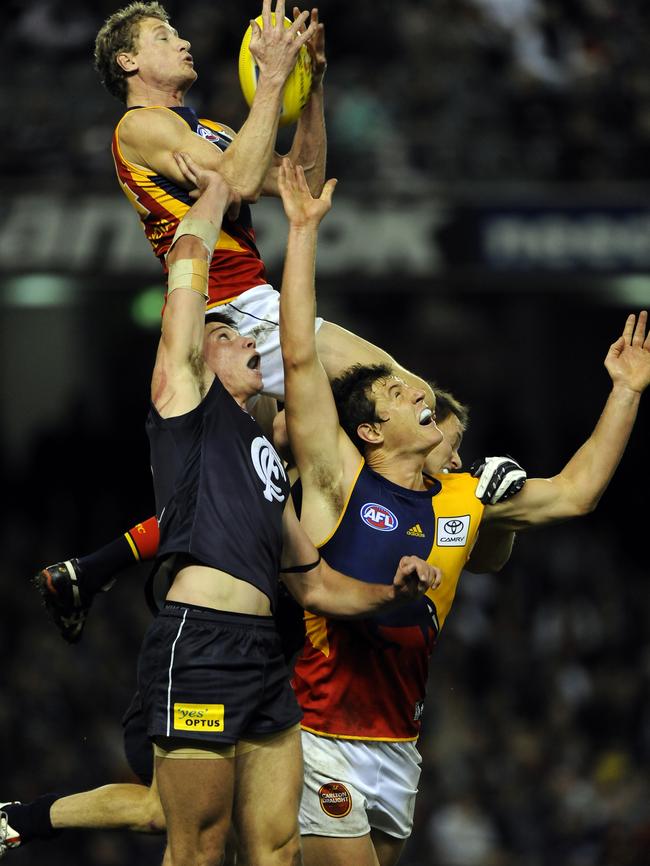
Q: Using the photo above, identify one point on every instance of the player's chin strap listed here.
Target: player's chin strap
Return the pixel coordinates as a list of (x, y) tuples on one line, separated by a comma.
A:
[(297, 569), (192, 273)]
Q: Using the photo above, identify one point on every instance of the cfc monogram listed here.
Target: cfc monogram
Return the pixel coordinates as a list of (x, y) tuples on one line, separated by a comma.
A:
[(269, 467)]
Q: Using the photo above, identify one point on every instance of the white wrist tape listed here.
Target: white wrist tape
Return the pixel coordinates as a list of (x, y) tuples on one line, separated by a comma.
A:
[(205, 230), (189, 274)]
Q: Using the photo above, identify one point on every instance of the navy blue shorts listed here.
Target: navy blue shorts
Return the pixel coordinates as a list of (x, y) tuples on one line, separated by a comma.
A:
[(214, 676), (137, 745)]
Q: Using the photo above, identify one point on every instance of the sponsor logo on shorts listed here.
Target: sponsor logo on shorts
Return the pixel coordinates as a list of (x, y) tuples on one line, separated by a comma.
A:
[(378, 517), (453, 531), (269, 467), (419, 711), (335, 799), (198, 717)]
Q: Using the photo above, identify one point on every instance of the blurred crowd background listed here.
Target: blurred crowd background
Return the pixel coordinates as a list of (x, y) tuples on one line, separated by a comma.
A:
[(491, 230)]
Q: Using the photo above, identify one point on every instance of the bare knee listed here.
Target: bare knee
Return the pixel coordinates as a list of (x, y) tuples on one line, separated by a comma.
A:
[(149, 816), (287, 853), (206, 848), (155, 817)]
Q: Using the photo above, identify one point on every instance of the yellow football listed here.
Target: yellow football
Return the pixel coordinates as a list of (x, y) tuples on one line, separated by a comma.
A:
[(297, 88)]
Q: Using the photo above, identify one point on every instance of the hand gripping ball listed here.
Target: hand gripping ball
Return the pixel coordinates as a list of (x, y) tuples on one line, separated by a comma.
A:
[(297, 88)]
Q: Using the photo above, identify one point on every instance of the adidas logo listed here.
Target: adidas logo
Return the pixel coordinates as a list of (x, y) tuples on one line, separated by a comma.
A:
[(416, 531)]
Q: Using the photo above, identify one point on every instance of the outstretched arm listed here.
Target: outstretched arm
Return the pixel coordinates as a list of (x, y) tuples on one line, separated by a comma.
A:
[(322, 451), (577, 489), (309, 146), (323, 590), (179, 376)]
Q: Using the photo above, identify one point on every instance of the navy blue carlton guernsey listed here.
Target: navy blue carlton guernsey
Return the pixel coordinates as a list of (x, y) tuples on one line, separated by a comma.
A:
[(220, 489)]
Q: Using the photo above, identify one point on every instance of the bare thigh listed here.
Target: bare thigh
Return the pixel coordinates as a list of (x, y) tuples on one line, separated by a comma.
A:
[(267, 796), (336, 851), (388, 848), (373, 849), (197, 797)]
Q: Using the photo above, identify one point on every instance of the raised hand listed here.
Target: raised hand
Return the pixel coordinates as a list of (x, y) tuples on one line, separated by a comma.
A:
[(274, 47), (414, 577), (300, 206), (628, 359), (205, 178), (500, 478), (316, 48)]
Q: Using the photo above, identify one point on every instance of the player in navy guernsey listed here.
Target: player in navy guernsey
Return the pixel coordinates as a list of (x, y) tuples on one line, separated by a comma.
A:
[(361, 460)]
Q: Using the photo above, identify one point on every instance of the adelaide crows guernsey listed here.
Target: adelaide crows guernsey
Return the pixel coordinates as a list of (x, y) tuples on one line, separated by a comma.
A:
[(220, 489), (366, 679), (161, 204)]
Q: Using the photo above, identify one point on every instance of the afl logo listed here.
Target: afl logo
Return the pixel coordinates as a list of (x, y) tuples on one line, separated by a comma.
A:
[(378, 517), (335, 799), (453, 527)]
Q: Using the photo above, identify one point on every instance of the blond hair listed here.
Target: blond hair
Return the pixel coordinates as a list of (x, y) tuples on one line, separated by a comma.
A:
[(119, 34)]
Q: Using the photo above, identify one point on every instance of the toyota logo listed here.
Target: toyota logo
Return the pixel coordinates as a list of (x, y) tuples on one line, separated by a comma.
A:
[(453, 527)]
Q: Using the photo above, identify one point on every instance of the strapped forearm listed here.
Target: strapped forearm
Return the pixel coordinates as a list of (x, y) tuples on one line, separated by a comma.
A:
[(188, 274), (203, 229)]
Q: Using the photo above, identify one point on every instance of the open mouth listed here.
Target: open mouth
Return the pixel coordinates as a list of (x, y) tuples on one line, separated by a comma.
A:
[(253, 362), (426, 417)]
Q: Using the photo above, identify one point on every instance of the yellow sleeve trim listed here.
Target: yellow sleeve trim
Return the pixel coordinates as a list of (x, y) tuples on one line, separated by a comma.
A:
[(134, 549)]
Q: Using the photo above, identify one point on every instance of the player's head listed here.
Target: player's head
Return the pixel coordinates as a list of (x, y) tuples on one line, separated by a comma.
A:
[(452, 418), (378, 410), (138, 40), (231, 356)]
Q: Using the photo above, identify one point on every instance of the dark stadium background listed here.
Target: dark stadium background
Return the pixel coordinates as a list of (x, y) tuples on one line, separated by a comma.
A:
[(491, 229)]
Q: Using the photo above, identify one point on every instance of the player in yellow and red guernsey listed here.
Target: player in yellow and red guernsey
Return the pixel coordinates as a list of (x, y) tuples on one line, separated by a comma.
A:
[(162, 203), (144, 62), (362, 685)]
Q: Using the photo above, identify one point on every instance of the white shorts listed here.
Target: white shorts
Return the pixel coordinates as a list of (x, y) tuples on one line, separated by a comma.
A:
[(352, 786), (256, 312)]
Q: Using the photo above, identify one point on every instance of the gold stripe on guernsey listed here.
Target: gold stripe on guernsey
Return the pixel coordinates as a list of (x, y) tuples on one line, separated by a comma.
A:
[(345, 505), (214, 304), (143, 178), (134, 549), (316, 631), (456, 500), (353, 737)]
